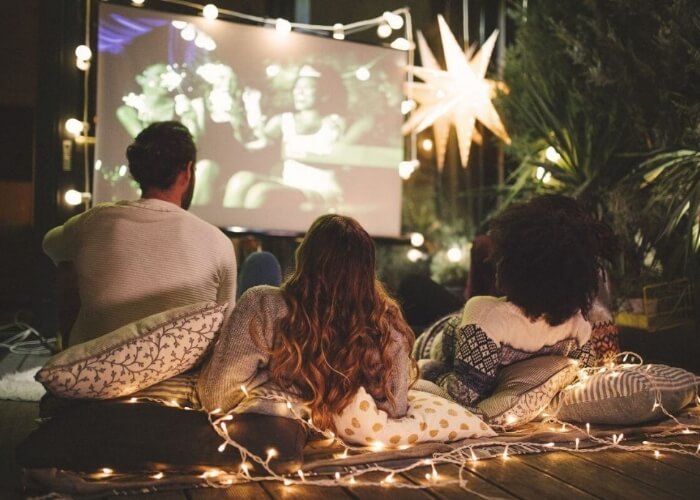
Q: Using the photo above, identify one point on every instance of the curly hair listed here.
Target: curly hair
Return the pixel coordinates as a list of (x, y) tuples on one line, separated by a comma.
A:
[(337, 333), (159, 152), (549, 254)]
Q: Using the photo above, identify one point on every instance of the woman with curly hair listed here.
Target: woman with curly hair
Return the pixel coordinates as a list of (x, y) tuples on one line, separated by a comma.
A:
[(549, 256), (327, 331)]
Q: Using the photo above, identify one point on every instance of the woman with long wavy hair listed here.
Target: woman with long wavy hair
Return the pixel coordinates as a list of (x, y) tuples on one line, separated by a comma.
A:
[(327, 331)]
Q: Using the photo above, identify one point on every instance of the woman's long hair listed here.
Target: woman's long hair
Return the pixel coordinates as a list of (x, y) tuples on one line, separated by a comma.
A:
[(337, 333)]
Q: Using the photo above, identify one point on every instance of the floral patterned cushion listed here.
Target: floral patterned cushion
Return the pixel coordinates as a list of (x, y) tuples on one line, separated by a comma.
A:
[(525, 388), (134, 356), (429, 418)]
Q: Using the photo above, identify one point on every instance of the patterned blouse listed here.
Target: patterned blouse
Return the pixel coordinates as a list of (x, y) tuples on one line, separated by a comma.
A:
[(466, 350)]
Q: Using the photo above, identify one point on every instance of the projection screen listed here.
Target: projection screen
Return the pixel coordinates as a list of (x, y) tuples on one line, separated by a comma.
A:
[(288, 126)]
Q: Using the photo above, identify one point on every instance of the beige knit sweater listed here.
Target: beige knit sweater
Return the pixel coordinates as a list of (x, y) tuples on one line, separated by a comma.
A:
[(241, 356), (142, 257)]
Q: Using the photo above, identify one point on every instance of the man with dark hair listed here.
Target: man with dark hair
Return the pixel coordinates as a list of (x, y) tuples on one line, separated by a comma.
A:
[(136, 258)]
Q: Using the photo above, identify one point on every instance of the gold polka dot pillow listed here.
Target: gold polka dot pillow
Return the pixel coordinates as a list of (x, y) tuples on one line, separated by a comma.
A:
[(135, 356), (429, 418)]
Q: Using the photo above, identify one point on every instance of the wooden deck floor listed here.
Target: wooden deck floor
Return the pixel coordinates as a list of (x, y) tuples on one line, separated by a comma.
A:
[(556, 475)]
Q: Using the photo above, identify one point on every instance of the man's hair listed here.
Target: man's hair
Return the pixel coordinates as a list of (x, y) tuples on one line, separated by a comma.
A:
[(159, 152), (549, 254)]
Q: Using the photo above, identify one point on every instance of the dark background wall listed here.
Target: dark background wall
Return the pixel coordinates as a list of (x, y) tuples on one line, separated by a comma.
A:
[(19, 27)]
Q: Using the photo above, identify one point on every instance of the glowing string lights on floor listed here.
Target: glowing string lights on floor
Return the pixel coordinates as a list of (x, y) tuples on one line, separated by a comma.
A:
[(578, 440), (574, 439)]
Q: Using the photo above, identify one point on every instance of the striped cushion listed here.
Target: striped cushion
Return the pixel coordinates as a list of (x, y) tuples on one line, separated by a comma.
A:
[(627, 395), (525, 388), (180, 390)]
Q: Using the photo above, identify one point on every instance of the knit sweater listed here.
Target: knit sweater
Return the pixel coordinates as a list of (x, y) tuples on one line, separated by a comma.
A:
[(493, 333), (241, 356), (138, 258)]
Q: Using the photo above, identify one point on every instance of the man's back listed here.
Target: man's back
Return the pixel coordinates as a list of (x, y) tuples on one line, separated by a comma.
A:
[(137, 258)]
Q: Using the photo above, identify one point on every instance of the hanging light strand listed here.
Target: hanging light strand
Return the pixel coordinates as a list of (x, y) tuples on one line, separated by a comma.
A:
[(84, 133), (347, 28)]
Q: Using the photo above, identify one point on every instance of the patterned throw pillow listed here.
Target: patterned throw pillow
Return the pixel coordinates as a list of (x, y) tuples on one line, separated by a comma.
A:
[(430, 343), (134, 356), (525, 388), (626, 395), (429, 418)]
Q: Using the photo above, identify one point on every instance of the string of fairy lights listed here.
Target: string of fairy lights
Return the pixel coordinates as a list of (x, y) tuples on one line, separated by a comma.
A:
[(572, 438), (386, 25), (397, 24)]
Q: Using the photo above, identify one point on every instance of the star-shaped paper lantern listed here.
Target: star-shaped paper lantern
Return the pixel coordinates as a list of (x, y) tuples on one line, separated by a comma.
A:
[(460, 95)]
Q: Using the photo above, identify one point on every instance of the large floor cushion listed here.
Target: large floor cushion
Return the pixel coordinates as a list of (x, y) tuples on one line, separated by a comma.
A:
[(525, 388), (136, 355), (626, 395), (429, 418), (147, 436)]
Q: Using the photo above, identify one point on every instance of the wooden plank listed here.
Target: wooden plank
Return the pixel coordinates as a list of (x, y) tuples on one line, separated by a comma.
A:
[(17, 420), (684, 462), (156, 495), (591, 477), (381, 492), (652, 472), (252, 491), (297, 492), (514, 476), (476, 487)]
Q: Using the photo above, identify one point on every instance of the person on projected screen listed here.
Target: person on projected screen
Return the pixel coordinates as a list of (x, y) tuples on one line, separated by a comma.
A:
[(307, 132), (162, 98)]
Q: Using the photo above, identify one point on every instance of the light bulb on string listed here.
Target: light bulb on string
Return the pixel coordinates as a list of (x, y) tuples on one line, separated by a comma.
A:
[(74, 126), (210, 11), (82, 64), (338, 31), (394, 21), (282, 26), (426, 145), (83, 52), (383, 30), (73, 197)]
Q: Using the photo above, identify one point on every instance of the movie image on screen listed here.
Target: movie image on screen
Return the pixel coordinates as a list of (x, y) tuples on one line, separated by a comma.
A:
[(288, 126)]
